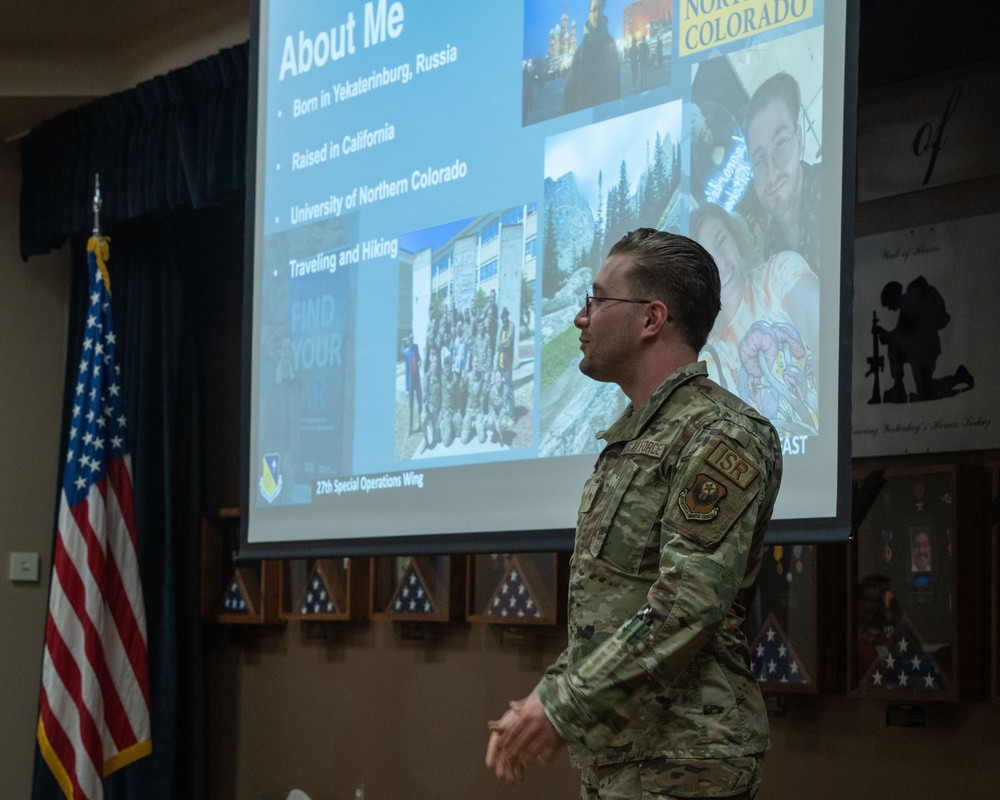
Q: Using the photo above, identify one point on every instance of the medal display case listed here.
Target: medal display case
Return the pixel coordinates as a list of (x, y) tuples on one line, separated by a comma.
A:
[(324, 589), (235, 593), (920, 578), (416, 588), (795, 644), (515, 588)]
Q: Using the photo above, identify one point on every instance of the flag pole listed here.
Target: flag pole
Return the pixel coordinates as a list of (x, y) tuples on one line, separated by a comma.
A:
[(99, 244), (94, 707), (97, 204)]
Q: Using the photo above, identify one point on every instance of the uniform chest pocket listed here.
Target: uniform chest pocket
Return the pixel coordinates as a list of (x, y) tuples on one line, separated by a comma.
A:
[(627, 518)]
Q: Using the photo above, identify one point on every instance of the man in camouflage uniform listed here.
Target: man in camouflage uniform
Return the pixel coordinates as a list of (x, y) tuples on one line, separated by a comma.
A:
[(481, 347), (500, 410), (450, 421), (432, 404), (654, 693), (476, 388)]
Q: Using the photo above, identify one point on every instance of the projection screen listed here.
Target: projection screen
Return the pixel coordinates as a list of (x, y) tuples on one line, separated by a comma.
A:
[(434, 186)]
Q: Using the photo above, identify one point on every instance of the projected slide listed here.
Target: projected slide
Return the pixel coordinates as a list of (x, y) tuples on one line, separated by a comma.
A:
[(437, 185)]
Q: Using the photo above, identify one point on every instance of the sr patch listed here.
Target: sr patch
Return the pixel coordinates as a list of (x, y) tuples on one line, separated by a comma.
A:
[(701, 500)]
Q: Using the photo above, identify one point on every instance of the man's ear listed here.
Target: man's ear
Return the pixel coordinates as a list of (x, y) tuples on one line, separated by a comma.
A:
[(656, 317)]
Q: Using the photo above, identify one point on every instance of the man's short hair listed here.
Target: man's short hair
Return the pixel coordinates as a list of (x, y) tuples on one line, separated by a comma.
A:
[(678, 271), (780, 86)]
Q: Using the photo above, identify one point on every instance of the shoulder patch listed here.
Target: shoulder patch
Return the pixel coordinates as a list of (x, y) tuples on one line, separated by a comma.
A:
[(701, 500), (648, 447), (732, 464)]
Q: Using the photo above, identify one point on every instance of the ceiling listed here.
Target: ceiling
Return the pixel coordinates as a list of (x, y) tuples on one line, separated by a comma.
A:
[(59, 54)]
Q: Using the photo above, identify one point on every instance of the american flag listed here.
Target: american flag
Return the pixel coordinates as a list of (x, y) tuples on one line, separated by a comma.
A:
[(94, 705), (772, 657), (903, 663), (412, 596), (512, 598), (234, 602), (316, 597)]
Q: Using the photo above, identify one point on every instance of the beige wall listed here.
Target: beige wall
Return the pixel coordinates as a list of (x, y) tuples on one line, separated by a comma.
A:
[(33, 318), (408, 720)]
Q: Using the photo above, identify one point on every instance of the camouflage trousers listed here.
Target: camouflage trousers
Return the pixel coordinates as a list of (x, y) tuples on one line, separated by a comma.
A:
[(667, 778)]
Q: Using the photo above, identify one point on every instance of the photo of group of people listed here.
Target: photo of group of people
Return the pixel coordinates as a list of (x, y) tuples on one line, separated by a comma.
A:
[(465, 369)]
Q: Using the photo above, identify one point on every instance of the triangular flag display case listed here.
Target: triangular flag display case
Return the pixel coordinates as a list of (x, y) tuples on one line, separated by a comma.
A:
[(415, 588), (919, 606), (324, 589), (244, 593), (515, 589), (796, 641), (773, 659)]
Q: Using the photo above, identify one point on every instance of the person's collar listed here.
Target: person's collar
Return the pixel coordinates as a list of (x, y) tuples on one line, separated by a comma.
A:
[(632, 420)]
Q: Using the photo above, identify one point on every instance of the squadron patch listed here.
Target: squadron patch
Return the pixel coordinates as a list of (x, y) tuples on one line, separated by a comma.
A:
[(701, 501), (731, 463), (270, 477)]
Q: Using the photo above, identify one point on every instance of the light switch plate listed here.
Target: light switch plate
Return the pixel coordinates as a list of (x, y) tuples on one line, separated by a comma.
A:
[(24, 567)]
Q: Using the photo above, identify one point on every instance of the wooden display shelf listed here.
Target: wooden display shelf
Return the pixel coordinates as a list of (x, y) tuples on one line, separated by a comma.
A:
[(415, 588), (323, 589), (515, 589), (232, 592)]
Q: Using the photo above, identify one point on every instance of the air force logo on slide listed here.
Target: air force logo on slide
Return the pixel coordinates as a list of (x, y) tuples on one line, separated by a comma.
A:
[(270, 479)]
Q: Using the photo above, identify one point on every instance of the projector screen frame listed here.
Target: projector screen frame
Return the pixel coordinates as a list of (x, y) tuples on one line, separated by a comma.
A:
[(836, 528)]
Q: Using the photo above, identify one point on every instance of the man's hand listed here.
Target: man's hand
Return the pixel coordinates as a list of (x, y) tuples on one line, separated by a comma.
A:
[(522, 735), (498, 761)]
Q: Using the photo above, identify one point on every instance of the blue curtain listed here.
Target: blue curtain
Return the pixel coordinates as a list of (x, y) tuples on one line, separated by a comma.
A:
[(175, 142)]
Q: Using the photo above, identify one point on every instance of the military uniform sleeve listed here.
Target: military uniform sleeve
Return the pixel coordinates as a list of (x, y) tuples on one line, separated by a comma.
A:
[(713, 501)]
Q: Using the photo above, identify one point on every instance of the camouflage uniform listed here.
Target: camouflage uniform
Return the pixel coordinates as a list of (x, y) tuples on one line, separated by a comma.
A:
[(432, 408), (473, 421), (481, 350), (500, 411), (670, 530), (451, 401)]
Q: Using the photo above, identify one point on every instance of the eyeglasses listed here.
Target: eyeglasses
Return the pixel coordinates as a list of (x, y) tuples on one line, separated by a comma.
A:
[(587, 300), (781, 153)]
